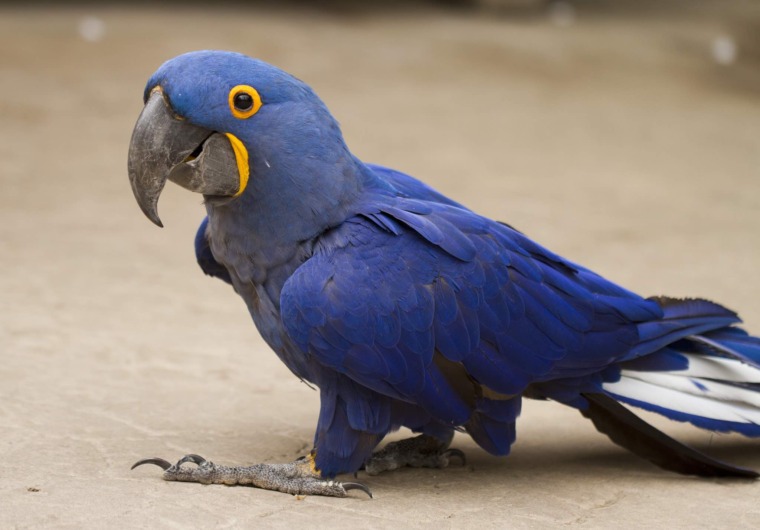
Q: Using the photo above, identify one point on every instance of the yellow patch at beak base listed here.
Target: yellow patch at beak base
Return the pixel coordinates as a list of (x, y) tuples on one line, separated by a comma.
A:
[(241, 157)]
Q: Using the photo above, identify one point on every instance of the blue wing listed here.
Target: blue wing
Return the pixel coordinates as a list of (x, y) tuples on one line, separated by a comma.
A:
[(205, 258), (431, 304), (408, 186)]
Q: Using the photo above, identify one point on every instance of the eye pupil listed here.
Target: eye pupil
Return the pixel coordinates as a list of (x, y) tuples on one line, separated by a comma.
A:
[(243, 102)]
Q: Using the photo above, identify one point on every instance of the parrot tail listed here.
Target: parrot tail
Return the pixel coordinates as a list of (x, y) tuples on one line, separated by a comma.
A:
[(711, 380), (703, 371)]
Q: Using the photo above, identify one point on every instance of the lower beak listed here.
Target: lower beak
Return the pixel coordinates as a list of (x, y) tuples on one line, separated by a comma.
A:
[(166, 147)]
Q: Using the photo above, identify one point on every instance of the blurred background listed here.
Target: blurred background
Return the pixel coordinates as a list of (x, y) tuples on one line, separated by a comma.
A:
[(624, 135)]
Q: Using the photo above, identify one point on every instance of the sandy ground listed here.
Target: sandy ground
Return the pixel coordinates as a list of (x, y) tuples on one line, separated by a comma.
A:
[(615, 138)]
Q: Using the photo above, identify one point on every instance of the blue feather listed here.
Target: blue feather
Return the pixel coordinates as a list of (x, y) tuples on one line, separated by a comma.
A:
[(205, 257)]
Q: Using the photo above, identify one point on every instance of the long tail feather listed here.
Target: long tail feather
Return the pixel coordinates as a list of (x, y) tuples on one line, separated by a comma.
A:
[(629, 431), (681, 318)]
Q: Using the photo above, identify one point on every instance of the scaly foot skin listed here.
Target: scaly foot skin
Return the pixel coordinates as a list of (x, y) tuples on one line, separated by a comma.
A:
[(297, 478), (420, 451)]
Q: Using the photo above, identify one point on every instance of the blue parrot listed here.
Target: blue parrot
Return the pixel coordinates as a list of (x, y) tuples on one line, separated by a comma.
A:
[(406, 308)]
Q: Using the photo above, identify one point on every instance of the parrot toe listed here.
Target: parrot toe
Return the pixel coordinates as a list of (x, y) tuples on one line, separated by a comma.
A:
[(420, 451), (296, 478)]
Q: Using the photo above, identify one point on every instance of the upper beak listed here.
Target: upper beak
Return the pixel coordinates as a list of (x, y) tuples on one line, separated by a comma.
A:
[(165, 146)]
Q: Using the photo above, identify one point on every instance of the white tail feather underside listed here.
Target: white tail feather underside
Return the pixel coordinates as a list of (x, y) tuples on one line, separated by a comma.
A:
[(708, 388)]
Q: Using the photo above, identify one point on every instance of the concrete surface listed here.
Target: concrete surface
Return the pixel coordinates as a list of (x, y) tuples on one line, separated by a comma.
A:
[(612, 136)]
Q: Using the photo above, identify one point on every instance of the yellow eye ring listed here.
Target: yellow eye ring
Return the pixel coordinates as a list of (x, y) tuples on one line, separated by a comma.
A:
[(244, 101)]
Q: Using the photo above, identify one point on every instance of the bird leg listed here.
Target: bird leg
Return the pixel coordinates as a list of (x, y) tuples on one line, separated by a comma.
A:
[(297, 478), (420, 451)]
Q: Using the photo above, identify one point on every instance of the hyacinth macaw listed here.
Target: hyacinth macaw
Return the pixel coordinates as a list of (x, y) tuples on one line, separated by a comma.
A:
[(406, 308)]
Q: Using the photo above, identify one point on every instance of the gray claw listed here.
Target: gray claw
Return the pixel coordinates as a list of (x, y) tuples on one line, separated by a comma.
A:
[(348, 486), (195, 459), (160, 462), (456, 453)]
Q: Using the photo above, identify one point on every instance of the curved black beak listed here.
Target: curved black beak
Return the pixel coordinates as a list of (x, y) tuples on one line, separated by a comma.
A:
[(165, 146)]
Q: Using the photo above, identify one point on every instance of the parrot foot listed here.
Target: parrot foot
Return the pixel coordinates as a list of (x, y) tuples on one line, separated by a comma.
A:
[(297, 478), (420, 451)]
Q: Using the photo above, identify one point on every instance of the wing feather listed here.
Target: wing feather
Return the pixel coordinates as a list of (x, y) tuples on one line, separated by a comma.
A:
[(388, 296)]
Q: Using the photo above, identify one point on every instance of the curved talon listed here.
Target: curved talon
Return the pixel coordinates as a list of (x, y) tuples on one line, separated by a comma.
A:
[(456, 453), (357, 486), (160, 462), (195, 459)]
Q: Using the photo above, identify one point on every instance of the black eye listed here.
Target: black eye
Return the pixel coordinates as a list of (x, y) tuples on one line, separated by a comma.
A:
[(243, 102)]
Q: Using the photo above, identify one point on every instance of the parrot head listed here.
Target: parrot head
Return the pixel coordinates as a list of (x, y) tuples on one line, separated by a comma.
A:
[(226, 125)]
